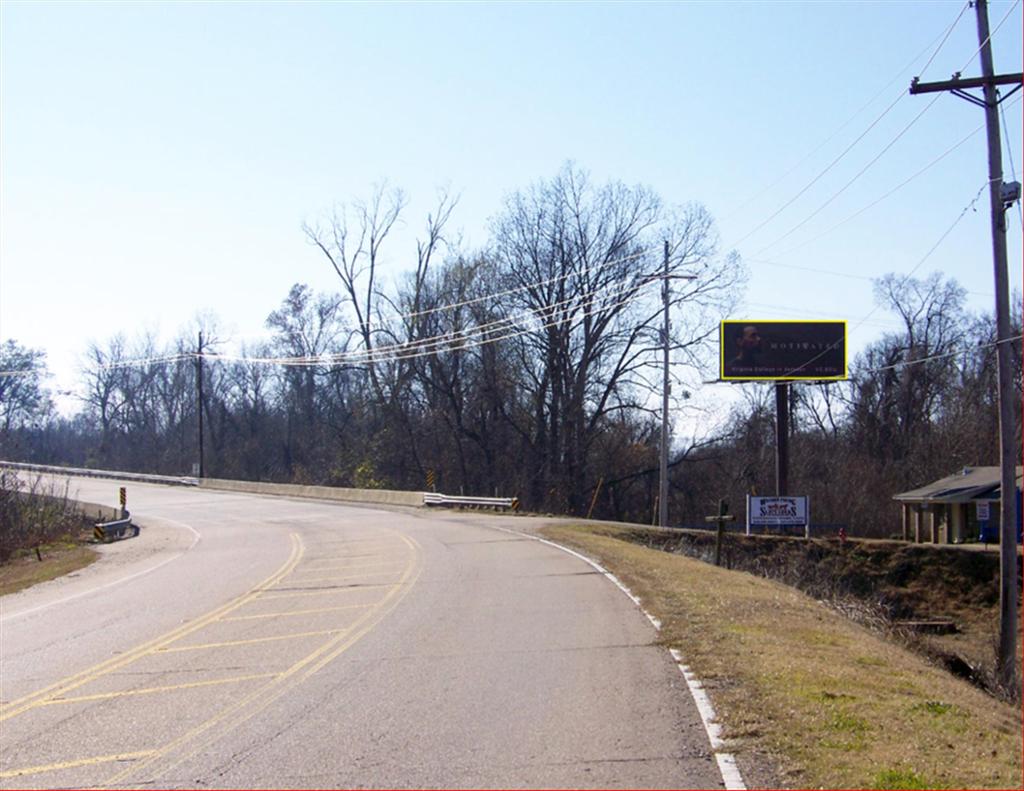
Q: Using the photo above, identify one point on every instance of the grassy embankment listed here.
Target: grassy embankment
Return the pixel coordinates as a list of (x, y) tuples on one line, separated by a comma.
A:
[(42, 534), (807, 697)]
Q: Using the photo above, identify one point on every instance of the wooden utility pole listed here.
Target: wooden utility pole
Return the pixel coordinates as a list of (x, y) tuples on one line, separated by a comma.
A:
[(1008, 675), (665, 390), (199, 399)]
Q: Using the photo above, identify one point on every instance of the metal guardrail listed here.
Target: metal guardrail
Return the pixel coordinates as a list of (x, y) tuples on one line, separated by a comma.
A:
[(116, 530), (458, 501), (429, 498), (140, 477)]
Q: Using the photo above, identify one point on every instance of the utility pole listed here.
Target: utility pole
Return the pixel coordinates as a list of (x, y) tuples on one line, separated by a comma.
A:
[(665, 390), (1007, 668), (199, 398)]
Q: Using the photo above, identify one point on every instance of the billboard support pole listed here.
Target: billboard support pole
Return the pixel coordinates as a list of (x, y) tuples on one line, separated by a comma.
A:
[(781, 439)]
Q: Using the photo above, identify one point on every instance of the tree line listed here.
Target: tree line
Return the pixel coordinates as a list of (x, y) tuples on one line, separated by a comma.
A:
[(530, 367)]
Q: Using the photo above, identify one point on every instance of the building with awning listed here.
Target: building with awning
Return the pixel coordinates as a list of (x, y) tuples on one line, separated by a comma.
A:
[(958, 508)]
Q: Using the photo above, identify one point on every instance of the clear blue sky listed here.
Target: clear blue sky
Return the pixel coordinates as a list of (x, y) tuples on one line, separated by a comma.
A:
[(159, 159)]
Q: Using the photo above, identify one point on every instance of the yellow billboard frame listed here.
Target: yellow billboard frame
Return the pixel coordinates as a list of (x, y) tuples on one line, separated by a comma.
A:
[(721, 352)]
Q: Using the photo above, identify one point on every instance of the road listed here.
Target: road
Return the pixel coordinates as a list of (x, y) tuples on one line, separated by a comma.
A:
[(244, 641)]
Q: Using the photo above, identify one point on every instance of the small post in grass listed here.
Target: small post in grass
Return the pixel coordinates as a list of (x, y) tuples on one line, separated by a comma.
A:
[(721, 518)]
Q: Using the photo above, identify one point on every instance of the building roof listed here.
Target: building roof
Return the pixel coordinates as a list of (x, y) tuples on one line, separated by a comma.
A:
[(971, 483)]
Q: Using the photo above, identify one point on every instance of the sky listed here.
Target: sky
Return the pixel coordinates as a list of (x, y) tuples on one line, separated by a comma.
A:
[(158, 160)]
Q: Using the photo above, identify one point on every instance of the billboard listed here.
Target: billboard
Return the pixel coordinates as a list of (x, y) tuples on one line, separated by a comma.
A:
[(786, 350)]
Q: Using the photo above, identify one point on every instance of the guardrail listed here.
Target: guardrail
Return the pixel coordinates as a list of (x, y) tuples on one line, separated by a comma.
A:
[(341, 494), (381, 496), (116, 530), (140, 477), (458, 501)]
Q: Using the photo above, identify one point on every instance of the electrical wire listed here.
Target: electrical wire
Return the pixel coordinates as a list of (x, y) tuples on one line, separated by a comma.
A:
[(905, 278), (958, 352), (147, 361), (143, 362), (1009, 154), (847, 150), (528, 286), (834, 273), (863, 107), (403, 318), (428, 345), (991, 33), (878, 200), (877, 157), (440, 341), (413, 351), (945, 38), (118, 364), (820, 175), (856, 176), (785, 311)]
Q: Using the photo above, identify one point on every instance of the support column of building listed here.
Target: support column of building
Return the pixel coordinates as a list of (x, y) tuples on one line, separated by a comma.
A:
[(958, 514)]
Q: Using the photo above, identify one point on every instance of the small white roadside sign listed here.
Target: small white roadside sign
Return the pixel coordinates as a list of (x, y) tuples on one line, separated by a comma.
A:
[(778, 512)]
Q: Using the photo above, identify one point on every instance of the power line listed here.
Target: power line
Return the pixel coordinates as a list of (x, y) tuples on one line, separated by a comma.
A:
[(991, 33), (164, 359), (390, 321), (117, 364), (785, 310), (869, 164), (878, 200), (833, 273), (848, 121), (448, 341), (526, 287), (957, 353), (1009, 153), (905, 278), (856, 176), (933, 248), (820, 175), (945, 38), (442, 340)]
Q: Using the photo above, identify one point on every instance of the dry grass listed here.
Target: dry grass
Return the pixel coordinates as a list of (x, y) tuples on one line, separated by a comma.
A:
[(824, 702), (58, 558)]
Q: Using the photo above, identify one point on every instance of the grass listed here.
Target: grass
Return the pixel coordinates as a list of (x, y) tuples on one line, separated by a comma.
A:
[(807, 697), (897, 778), (60, 557), (43, 532)]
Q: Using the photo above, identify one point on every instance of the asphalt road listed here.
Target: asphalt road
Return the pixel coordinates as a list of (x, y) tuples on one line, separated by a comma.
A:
[(245, 641)]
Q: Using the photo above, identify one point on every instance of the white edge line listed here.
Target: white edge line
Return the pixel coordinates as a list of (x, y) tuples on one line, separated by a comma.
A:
[(112, 583), (726, 761)]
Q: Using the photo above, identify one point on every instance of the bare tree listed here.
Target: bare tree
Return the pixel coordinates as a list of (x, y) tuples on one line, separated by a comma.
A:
[(23, 396), (581, 261), (352, 243)]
